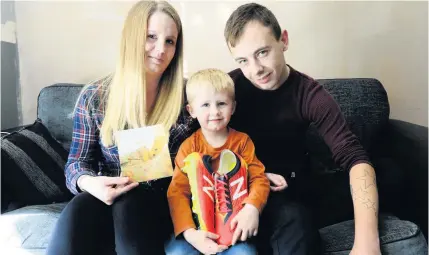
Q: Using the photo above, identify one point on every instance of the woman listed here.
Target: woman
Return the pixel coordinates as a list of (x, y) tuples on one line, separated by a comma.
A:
[(111, 213)]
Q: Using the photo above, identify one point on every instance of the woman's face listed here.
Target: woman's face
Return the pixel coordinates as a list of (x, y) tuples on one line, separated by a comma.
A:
[(161, 42)]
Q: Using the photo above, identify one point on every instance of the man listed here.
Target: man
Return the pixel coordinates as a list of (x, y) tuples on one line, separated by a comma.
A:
[(275, 106)]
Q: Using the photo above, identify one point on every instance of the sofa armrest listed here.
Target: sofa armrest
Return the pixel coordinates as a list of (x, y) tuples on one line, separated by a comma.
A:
[(407, 144), (11, 130), (6, 203)]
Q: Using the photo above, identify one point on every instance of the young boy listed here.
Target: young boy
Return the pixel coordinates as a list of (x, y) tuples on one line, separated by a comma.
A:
[(213, 166)]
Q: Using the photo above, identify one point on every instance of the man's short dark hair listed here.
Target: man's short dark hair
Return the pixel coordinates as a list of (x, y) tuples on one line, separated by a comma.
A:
[(244, 14)]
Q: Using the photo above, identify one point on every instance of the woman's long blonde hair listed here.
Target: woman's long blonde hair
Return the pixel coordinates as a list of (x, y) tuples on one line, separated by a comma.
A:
[(124, 94)]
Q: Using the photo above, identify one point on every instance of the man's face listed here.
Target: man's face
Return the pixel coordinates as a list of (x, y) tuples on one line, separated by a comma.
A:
[(260, 56)]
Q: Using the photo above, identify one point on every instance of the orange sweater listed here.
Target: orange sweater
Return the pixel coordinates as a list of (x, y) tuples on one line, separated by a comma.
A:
[(179, 192)]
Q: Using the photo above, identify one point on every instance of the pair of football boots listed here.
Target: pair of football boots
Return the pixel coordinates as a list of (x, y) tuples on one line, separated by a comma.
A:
[(217, 195)]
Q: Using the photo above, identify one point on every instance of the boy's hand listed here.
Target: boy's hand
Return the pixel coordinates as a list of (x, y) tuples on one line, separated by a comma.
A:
[(203, 241), (245, 223), (278, 181)]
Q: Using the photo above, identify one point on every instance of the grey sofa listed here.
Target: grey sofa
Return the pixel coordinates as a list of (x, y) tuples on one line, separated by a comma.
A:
[(397, 149)]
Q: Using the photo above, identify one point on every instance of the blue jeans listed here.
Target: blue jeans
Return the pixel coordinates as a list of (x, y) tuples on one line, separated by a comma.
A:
[(180, 246)]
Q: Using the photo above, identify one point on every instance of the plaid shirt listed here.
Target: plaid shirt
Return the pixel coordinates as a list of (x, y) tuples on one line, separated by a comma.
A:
[(88, 156)]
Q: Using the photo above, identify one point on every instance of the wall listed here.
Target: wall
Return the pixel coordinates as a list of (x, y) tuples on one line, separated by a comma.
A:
[(10, 98), (77, 42)]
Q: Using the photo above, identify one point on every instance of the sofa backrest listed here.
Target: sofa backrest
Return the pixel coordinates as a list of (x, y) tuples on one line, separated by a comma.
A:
[(363, 102), (55, 106)]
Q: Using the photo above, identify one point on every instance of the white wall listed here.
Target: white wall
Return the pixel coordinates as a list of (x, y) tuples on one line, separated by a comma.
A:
[(10, 102), (77, 41)]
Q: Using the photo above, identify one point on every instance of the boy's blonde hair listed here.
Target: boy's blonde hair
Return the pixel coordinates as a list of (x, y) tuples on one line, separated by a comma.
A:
[(209, 78)]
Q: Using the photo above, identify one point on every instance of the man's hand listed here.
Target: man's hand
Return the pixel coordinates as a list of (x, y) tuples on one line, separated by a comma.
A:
[(366, 249), (278, 182), (106, 189), (366, 244), (203, 241), (245, 223)]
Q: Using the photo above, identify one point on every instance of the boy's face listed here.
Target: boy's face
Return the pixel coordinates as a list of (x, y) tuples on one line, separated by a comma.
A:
[(260, 56), (212, 109)]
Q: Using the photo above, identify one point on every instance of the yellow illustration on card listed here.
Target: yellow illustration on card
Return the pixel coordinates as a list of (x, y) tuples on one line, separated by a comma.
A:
[(144, 153)]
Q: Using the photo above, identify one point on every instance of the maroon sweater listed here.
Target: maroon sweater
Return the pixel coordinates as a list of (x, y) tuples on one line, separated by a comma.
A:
[(277, 122)]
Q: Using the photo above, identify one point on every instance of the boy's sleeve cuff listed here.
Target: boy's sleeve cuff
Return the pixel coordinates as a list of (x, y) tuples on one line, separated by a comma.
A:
[(255, 203), (179, 230)]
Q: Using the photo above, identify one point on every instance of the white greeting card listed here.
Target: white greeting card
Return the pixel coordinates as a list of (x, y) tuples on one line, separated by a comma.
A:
[(143, 153)]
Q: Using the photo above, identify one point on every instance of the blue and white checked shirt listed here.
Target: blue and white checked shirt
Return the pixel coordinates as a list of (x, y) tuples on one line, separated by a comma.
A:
[(88, 156)]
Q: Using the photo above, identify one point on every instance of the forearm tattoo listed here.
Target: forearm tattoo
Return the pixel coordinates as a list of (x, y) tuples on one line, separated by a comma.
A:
[(367, 182)]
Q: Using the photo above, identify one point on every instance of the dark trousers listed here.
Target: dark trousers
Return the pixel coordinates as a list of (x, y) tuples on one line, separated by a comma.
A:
[(286, 225), (136, 223)]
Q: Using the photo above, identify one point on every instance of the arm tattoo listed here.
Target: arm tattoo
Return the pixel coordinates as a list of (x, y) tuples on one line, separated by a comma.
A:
[(368, 181)]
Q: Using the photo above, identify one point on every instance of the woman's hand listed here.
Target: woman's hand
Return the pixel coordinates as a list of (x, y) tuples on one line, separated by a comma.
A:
[(106, 189)]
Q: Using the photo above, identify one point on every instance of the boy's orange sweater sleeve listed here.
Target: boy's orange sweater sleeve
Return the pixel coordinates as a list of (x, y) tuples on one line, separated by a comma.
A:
[(259, 185), (179, 193)]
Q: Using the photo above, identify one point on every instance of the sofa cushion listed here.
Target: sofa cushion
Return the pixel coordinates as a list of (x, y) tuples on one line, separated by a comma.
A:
[(365, 106), (29, 227), (33, 166), (396, 236), (55, 106)]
